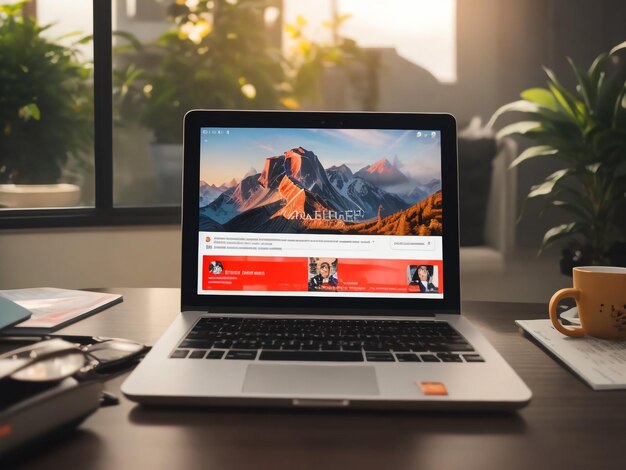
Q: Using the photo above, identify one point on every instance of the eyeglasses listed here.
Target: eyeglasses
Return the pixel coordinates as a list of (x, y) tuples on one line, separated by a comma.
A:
[(57, 358)]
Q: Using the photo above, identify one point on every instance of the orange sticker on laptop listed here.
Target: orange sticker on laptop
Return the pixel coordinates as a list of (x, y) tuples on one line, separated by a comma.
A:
[(433, 388)]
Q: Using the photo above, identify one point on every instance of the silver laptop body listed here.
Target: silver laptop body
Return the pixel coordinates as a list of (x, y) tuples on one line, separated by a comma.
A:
[(320, 268)]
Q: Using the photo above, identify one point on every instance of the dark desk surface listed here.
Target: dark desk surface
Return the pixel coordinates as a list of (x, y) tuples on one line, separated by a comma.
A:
[(567, 425)]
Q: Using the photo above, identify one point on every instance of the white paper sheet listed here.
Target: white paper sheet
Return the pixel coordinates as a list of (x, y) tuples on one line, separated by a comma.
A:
[(601, 363)]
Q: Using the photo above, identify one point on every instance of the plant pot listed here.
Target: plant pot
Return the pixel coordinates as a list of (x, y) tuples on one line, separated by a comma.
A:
[(15, 196), (168, 168)]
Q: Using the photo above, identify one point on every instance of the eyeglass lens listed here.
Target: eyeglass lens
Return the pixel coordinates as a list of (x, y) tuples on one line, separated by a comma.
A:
[(110, 352), (51, 368)]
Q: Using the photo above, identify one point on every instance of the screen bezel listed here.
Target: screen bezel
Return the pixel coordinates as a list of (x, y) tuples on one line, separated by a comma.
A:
[(196, 119)]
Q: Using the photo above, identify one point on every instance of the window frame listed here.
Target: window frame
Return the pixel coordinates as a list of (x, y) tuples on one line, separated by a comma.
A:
[(104, 212)]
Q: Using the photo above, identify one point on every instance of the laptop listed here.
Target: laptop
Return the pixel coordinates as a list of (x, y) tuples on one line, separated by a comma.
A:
[(320, 268)]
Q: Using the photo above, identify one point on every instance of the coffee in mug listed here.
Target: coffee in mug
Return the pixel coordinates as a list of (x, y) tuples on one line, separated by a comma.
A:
[(600, 295)]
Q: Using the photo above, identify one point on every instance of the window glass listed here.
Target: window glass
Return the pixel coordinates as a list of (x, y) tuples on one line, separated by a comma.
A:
[(200, 54), (46, 104), (173, 55)]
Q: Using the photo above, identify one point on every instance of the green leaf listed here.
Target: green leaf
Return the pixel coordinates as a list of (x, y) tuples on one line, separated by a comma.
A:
[(596, 68), (29, 111), (554, 81), (620, 104), (131, 38), (593, 168), (617, 48), (609, 95), (562, 231), (522, 106), (584, 86), (545, 188), (85, 39), (14, 9), (606, 141), (532, 152), (67, 35), (574, 209), (567, 106), (522, 128), (542, 97)]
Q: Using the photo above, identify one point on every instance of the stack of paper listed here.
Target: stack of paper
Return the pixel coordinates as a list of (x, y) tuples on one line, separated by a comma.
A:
[(53, 308), (600, 363)]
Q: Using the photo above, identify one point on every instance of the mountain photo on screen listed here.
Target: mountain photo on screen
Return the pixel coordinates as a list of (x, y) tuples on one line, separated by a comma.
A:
[(325, 181)]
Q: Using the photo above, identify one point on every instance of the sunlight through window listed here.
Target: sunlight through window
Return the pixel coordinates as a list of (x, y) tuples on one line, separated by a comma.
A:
[(421, 31)]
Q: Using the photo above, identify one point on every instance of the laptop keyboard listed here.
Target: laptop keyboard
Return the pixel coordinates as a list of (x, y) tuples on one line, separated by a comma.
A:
[(266, 339)]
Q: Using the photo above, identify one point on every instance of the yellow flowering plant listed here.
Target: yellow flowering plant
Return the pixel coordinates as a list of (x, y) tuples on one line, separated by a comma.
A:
[(215, 56), (309, 58)]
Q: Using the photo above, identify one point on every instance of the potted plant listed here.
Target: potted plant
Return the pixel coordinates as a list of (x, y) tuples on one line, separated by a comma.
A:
[(324, 73), (46, 113), (214, 57), (585, 129)]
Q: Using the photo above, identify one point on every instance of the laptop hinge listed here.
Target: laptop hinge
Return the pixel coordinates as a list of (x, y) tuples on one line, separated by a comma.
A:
[(325, 312)]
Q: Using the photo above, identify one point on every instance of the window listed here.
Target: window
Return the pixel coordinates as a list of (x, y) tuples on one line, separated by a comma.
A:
[(46, 102), (119, 159), (84, 162)]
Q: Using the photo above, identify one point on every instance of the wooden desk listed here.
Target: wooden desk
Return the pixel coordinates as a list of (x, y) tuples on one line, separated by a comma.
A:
[(567, 425)]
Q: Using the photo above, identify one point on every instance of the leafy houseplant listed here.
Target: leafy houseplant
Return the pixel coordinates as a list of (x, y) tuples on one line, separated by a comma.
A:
[(585, 129), (46, 114), (215, 57)]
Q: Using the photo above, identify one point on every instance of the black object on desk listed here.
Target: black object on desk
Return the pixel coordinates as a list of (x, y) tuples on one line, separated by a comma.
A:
[(37, 409), (53, 385)]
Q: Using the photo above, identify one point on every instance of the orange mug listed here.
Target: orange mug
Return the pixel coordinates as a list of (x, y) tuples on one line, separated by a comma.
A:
[(600, 294)]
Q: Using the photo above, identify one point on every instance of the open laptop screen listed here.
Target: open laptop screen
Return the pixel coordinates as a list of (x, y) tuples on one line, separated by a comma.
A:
[(320, 212)]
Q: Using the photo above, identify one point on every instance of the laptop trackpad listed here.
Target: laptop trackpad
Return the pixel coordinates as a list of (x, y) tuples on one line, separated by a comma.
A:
[(310, 379)]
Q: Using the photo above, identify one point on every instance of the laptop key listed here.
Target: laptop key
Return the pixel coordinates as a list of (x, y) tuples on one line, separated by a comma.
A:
[(449, 347), (215, 354), (197, 354), (429, 358), (407, 357), (196, 343), (473, 358), (450, 358), (233, 354), (379, 357), (179, 354), (323, 356)]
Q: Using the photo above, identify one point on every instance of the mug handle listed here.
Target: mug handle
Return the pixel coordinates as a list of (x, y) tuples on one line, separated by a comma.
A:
[(554, 316)]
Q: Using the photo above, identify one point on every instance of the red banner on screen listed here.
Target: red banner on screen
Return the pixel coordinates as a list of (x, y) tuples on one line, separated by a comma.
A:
[(274, 274)]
